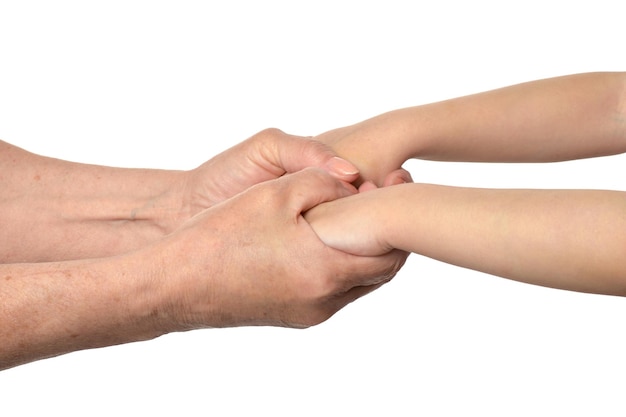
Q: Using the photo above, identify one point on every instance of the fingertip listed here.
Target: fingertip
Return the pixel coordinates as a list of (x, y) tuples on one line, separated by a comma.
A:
[(367, 186), (351, 188), (342, 168), (400, 176), (406, 175)]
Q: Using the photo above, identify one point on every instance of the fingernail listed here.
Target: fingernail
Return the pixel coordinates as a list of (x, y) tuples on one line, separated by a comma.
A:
[(341, 166)]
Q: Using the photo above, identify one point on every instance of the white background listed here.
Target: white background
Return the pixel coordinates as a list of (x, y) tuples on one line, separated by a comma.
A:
[(170, 84)]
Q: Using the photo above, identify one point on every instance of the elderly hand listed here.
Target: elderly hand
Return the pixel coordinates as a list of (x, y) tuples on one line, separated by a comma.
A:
[(265, 156), (254, 260), (250, 260)]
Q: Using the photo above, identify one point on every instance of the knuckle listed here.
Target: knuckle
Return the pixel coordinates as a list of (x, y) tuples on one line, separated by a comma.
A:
[(398, 261), (269, 133), (266, 138), (395, 264), (312, 319)]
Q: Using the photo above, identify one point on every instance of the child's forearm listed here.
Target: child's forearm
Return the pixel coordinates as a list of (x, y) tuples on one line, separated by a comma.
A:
[(569, 239), (556, 119), (571, 117), (54, 210)]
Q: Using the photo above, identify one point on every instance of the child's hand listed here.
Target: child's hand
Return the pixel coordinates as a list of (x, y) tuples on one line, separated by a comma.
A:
[(377, 146), (357, 224), (399, 176)]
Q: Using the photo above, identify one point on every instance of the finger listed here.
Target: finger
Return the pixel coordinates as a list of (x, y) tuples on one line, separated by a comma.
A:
[(367, 186), (295, 153), (357, 292), (372, 270), (337, 303), (341, 169), (399, 176), (368, 283), (312, 186)]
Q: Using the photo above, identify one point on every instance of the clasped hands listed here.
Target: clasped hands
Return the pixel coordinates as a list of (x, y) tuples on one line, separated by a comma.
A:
[(248, 254)]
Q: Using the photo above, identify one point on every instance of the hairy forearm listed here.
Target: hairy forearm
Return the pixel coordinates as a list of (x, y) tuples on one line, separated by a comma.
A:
[(49, 309), (57, 210), (570, 239)]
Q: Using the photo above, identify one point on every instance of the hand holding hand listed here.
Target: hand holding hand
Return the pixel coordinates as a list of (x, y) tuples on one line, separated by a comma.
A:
[(375, 147), (265, 156), (359, 224), (254, 260)]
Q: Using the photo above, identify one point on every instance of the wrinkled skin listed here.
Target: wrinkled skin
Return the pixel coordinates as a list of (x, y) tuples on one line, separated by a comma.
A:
[(254, 260)]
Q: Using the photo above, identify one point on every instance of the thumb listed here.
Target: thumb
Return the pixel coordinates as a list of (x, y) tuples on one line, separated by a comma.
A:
[(296, 153), (312, 186), (399, 176)]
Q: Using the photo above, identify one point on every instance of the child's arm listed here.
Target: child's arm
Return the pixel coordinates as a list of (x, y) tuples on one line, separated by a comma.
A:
[(570, 117), (568, 239)]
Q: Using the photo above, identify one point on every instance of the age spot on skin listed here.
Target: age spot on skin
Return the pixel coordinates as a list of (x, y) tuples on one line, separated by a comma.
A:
[(8, 278)]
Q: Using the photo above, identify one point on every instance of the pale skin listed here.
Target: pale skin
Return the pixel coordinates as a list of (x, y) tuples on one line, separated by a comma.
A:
[(567, 239), (94, 256), (76, 211), (139, 253)]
